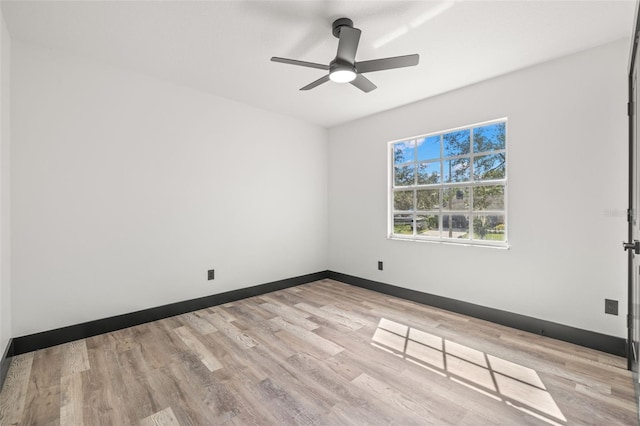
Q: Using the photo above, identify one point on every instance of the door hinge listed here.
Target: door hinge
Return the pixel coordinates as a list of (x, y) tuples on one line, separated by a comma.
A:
[(634, 246), (629, 215), (630, 108), (629, 320)]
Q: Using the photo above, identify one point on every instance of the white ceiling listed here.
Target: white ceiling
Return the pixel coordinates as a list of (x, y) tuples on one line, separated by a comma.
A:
[(224, 47)]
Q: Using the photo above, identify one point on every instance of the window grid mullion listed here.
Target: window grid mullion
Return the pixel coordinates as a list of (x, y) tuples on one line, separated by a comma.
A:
[(415, 209), (472, 180)]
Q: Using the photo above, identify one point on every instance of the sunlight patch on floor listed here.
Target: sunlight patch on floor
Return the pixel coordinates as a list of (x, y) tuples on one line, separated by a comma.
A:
[(518, 386)]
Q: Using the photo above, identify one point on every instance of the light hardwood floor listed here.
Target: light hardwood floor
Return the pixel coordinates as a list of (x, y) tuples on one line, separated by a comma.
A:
[(320, 353)]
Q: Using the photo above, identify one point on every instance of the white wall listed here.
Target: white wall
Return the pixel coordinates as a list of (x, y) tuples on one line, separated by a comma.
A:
[(567, 144), (127, 189), (5, 207)]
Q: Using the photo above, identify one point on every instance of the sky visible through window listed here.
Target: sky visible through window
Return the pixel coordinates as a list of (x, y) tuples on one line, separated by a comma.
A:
[(486, 138)]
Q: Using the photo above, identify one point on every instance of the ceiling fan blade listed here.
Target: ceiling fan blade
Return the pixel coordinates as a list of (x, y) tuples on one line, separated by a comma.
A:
[(300, 63), (318, 82), (348, 44), (363, 83), (387, 63)]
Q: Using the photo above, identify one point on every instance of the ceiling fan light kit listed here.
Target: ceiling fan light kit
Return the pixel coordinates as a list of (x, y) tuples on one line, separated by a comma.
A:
[(342, 75), (344, 68)]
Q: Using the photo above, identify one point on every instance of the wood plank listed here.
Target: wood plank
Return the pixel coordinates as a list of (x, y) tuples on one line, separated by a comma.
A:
[(186, 387), (296, 316), (71, 404), (388, 396), (75, 358), (228, 329), (42, 406), (308, 336), (161, 418), (197, 322), (103, 388), (207, 358), (342, 318), (174, 386), (14, 391)]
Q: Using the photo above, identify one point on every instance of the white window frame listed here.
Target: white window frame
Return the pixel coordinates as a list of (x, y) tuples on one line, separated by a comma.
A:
[(467, 184)]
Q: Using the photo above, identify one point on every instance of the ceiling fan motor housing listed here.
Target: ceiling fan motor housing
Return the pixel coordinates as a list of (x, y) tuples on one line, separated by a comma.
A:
[(339, 23), (338, 64)]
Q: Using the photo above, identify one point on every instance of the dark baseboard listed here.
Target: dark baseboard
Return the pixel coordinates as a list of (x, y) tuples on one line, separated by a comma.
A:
[(58, 336), (6, 362), (45, 339), (589, 339)]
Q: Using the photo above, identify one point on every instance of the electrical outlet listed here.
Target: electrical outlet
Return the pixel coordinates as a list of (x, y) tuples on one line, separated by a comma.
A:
[(610, 306), (380, 267), (211, 274)]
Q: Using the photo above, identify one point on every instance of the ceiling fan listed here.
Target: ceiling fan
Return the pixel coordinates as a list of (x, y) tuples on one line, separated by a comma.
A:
[(344, 68)]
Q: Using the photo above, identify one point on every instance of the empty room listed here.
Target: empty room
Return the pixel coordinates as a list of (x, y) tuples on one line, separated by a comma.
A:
[(319, 212)]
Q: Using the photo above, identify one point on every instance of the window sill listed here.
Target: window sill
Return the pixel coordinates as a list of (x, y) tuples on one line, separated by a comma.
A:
[(497, 245)]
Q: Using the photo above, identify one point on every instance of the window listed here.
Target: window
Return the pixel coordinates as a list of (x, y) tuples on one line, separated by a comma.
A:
[(451, 186)]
